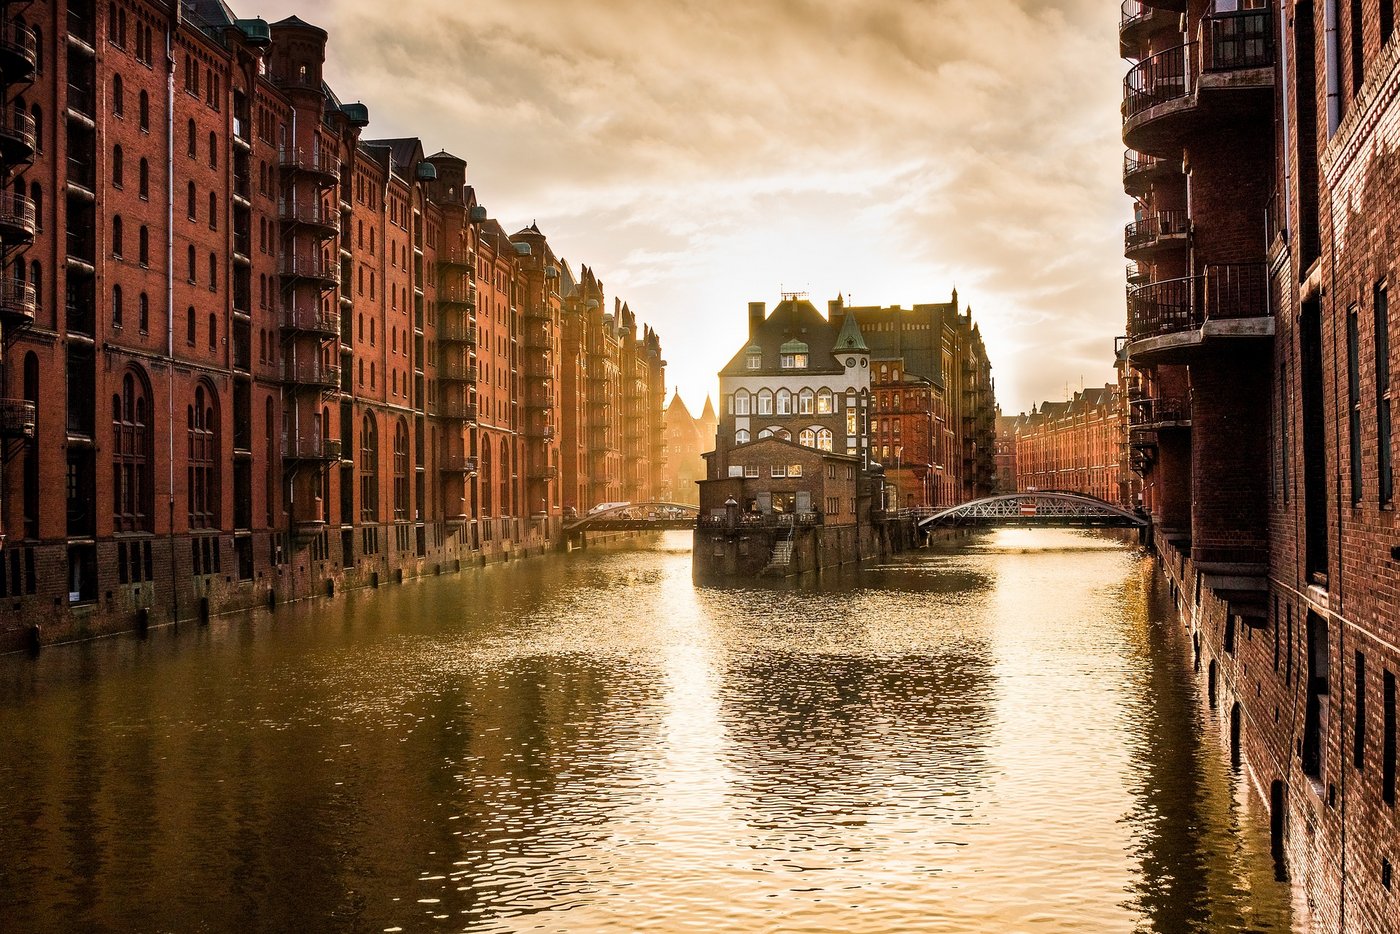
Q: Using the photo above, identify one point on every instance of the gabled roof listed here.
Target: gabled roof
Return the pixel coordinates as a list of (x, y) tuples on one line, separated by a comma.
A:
[(791, 320), (406, 152), (774, 439), (677, 407)]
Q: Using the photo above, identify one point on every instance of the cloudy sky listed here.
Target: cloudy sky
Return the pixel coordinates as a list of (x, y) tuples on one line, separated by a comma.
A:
[(701, 155)]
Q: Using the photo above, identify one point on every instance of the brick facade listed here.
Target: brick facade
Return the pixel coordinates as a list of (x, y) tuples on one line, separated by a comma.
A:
[(1071, 445), (1260, 346), (269, 355)]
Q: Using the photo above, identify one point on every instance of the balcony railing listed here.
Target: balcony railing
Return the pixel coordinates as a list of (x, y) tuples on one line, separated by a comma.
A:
[(457, 332), (17, 135), (1150, 230), (1224, 292), (310, 448), (458, 371), (315, 212), (17, 301), (19, 49), (1158, 79), (317, 161), (550, 472), (16, 217), (456, 409), (310, 267), (458, 463), (17, 418), (1149, 414), (458, 294), (313, 372), (307, 316)]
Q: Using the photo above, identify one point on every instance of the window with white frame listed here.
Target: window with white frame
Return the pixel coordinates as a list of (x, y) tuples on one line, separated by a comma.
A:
[(806, 402), (751, 471), (825, 402), (784, 402), (741, 436), (765, 402), (741, 402), (778, 471)]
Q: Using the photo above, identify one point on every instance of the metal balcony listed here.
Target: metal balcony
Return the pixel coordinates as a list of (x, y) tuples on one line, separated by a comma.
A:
[(1158, 414), (456, 410), (326, 219), (1166, 319), (1155, 233), (1141, 21), (457, 371), (457, 294), (458, 464), (320, 163), (310, 448), (17, 137), (16, 219), (311, 318), (17, 418), (1218, 79), (313, 374), (1140, 171), (315, 268), (17, 303), (455, 332), (550, 472), (456, 254), (18, 52)]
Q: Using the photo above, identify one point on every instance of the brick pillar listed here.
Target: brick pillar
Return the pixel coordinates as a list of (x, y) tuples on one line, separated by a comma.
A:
[(1230, 458), (1172, 480)]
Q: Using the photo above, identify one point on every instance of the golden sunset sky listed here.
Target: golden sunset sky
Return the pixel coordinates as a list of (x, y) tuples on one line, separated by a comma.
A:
[(701, 155)]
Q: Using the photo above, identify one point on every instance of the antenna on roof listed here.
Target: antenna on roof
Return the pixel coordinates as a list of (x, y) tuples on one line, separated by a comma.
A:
[(793, 296)]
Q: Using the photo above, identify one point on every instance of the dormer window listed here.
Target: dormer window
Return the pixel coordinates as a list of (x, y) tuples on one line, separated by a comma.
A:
[(793, 356), (755, 360)]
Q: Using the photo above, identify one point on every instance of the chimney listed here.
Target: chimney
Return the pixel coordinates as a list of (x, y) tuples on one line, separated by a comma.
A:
[(757, 312)]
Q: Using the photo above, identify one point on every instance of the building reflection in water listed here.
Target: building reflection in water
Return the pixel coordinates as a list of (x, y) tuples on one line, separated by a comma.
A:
[(991, 738)]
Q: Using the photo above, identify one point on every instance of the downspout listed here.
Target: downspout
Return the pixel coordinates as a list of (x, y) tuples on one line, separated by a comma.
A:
[(1332, 54), (170, 287)]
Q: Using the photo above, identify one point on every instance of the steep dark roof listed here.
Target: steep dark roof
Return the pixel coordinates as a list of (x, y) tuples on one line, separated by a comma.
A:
[(793, 319), (406, 151)]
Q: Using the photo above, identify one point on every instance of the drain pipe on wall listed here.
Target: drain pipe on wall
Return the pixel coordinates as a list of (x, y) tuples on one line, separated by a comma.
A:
[(170, 283)]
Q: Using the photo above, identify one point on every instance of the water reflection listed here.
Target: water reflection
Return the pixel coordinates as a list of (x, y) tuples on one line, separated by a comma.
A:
[(999, 736)]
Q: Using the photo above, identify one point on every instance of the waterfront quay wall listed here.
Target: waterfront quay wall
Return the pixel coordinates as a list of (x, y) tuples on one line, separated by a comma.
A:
[(747, 551), (1333, 833), (167, 589)]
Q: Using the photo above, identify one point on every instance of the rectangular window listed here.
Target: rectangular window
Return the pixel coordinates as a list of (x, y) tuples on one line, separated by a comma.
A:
[(1388, 745), (778, 471), (794, 470), (1315, 712), (755, 361), (1386, 476), (1354, 401), (1315, 481), (736, 471), (1387, 20), (1358, 744), (751, 471)]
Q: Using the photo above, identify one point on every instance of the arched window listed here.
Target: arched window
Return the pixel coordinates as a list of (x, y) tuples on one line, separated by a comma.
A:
[(189, 264), (36, 279), (826, 402), (36, 194), (824, 439), (782, 433), (505, 503), (213, 150), (31, 451), (784, 402), (484, 481), (369, 470), (213, 211), (116, 306), (143, 313), (38, 115), (118, 97), (808, 438), (144, 246), (202, 452), (143, 179), (38, 49), (143, 111), (213, 331), (189, 326), (213, 271), (117, 235), (765, 402), (742, 436), (401, 471), (118, 168), (741, 402), (190, 133), (806, 402), (765, 433), (190, 200), (131, 457)]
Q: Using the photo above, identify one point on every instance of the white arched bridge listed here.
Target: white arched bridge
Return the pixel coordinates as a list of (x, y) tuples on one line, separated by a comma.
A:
[(629, 517), (1044, 508)]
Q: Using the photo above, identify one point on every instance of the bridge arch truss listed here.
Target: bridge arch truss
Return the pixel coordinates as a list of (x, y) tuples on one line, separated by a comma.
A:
[(1047, 508)]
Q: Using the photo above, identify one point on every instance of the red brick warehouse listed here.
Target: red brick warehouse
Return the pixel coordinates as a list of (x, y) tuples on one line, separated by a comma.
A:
[(268, 355)]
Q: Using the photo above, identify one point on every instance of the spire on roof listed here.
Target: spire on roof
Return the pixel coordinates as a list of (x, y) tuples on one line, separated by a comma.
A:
[(850, 337)]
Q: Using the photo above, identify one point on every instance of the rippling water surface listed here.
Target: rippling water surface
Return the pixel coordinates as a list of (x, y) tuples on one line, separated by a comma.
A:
[(1001, 738)]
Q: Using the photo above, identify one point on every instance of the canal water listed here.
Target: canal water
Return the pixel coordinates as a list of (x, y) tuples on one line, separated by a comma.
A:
[(1004, 737)]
